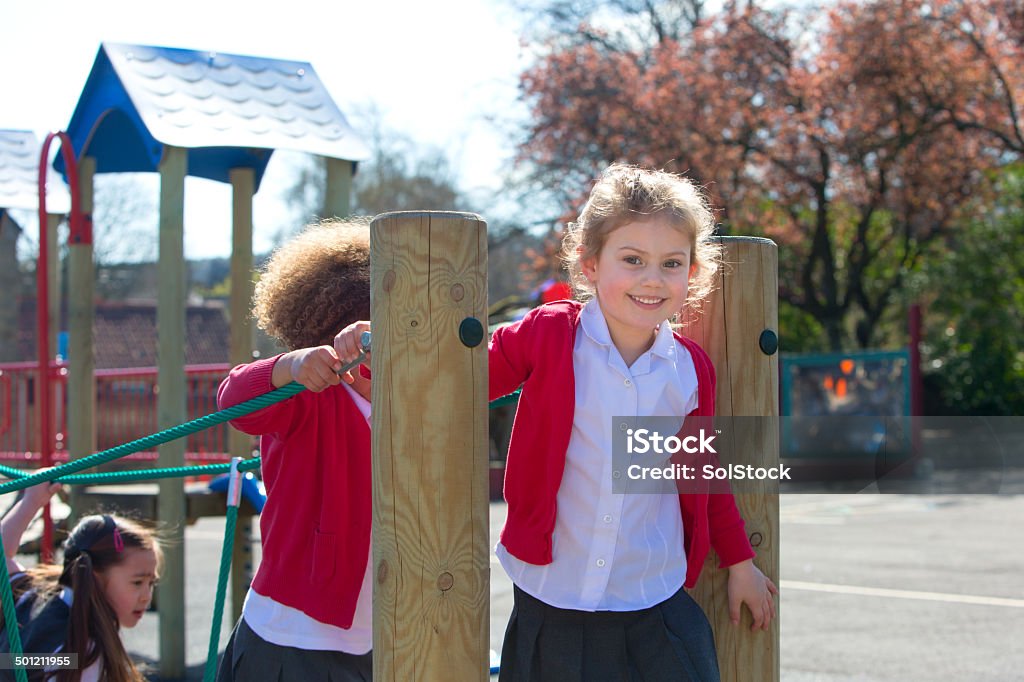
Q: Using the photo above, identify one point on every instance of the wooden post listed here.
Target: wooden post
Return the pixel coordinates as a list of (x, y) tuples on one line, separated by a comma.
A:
[(243, 183), (81, 349), (338, 189), (743, 306), (171, 405), (430, 472)]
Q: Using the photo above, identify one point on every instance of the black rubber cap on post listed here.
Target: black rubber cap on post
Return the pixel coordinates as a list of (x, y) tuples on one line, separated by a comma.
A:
[(471, 332), (768, 342)]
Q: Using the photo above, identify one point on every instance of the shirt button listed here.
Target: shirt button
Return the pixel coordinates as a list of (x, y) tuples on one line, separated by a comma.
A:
[(616, 474), (628, 382), (607, 518), (600, 563)]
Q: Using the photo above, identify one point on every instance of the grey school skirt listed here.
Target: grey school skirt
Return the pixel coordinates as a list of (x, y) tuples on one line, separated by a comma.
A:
[(250, 658), (668, 641)]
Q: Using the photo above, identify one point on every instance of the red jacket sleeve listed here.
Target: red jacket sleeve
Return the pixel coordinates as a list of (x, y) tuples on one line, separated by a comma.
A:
[(249, 381), (508, 356), (726, 528)]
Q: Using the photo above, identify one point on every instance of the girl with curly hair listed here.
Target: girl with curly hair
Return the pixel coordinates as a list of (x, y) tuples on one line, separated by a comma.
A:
[(307, 613)]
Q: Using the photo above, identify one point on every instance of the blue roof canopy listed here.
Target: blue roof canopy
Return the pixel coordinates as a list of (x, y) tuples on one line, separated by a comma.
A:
[(229, 111)]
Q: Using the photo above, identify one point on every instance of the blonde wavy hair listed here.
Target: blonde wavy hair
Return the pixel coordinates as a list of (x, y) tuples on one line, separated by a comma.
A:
[(626, 193), (316, 284)]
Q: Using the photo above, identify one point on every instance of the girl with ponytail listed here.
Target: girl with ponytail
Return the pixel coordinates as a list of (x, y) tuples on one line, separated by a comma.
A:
[(110, 568)]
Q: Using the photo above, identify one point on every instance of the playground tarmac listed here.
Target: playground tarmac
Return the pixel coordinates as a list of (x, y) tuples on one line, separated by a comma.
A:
[(874, 588)]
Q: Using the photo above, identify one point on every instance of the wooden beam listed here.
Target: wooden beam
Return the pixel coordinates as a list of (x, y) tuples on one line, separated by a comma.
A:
[(742, 307), (338, 189), (81, 347), (430, 469), (243, 183), (241, 345), (170, 316)]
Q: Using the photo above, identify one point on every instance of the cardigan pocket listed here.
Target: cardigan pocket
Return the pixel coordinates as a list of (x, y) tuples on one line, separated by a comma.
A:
[(324, 557)]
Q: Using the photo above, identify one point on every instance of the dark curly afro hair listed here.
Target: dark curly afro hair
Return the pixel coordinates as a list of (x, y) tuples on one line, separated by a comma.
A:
[(316, 284)]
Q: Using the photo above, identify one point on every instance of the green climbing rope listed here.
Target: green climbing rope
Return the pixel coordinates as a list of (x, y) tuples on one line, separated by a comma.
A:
[(231, 518), (10, 616), (112, 477), (64, 471), (20, 480), (158, 438)]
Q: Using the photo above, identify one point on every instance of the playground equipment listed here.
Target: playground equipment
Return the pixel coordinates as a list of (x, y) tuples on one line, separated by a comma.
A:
[(205, 114), (430, 448), (177, 112), (430, 498), (738, 327)]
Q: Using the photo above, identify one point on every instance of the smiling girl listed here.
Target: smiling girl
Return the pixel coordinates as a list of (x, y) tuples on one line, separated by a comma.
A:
[(600, 576)]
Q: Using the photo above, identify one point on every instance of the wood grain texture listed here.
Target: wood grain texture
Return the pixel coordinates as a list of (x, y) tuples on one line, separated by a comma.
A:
[(243, 184), (81, 348), (170, 317), (430, 448), (744, 303), (338, 188)]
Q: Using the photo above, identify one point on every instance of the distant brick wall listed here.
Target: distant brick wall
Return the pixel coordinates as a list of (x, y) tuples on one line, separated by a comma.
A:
[(125, 334)]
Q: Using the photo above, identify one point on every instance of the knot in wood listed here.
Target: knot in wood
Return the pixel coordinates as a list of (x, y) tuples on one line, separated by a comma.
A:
[(445, 581)]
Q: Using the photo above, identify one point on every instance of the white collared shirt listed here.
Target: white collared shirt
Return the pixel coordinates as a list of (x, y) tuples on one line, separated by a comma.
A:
[(613, 552), (286, 626)]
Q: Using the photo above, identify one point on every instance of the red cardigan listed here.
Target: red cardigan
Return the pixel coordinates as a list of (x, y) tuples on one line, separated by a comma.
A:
[(536, 353), (316, 467)]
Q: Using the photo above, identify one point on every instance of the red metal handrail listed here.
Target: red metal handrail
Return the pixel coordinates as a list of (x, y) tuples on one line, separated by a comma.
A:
[(125, 410), (42, 306)]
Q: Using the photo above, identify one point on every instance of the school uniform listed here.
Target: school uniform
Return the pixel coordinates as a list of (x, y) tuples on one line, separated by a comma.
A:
[(308, 612), (599, 576), (43, 628)]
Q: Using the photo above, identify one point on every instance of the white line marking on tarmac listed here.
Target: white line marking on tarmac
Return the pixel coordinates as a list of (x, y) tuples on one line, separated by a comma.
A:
[(902, 594)]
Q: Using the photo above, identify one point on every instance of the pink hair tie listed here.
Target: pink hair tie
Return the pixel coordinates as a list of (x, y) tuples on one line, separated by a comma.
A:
[(118, 540)]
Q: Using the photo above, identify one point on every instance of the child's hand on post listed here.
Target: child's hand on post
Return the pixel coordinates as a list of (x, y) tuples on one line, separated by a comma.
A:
[(748, 585), (348, 346), (315, 368)]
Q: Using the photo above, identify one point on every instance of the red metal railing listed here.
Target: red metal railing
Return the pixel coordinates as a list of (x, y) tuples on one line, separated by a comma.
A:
[(125, 410), (44, 374)]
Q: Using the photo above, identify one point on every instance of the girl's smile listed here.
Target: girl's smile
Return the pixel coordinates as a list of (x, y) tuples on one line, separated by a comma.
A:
[(641, 278)]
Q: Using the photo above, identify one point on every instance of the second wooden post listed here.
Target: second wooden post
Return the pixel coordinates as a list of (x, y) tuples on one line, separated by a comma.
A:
[(738, 328), (430, 469)]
